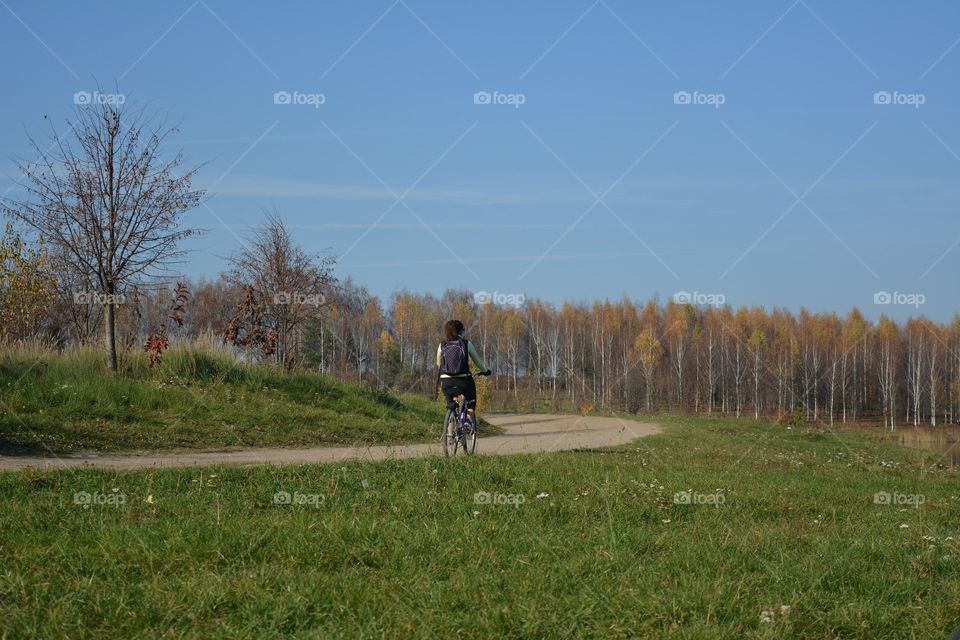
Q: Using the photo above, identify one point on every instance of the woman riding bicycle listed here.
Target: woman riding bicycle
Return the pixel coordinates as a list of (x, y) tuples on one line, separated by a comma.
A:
[(453, 362)]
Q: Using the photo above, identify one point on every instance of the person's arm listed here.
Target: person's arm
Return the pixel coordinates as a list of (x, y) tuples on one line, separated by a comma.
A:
[(475, 356)]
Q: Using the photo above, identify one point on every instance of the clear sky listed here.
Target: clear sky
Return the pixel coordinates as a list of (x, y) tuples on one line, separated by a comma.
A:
[(778, 179)]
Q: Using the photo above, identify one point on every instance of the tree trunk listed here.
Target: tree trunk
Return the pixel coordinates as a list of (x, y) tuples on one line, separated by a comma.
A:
[(111, 335)]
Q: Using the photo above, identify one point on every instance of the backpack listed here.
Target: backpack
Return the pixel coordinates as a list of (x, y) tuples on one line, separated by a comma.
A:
[(453, 358)]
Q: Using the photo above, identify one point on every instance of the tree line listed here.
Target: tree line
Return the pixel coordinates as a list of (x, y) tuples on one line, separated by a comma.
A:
[(618, 355), (627, 356)]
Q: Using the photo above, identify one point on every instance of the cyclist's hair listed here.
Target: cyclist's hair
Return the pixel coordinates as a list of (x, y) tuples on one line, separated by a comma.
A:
[(452, 329)]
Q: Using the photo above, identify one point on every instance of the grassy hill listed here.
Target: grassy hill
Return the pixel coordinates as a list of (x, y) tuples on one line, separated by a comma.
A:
[(196, 399)]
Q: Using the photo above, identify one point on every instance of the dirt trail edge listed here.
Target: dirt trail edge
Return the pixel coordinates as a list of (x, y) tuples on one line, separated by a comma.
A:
[(533, 433)]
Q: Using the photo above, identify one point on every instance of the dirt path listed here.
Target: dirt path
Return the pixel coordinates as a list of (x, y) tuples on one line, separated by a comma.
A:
[(523, 434)]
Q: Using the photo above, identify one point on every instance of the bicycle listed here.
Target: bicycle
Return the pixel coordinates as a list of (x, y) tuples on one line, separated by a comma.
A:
[(464, 436)]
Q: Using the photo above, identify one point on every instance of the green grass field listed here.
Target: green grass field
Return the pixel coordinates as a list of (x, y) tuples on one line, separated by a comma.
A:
[(779, 536), (196, 399)]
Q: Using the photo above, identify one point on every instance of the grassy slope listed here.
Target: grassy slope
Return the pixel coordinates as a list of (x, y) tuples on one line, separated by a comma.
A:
[(195, 400), (401, 549)]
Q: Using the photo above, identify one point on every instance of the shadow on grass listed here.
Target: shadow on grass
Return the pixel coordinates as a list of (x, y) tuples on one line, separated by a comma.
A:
[(11, 445), (28, 437)]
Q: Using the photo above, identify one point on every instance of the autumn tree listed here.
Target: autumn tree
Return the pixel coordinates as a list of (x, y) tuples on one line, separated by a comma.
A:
[(211, 307), (852, 339), (758, 346), (678, 320), (887, 336), (649, 351), (291, 283), (27, 285)]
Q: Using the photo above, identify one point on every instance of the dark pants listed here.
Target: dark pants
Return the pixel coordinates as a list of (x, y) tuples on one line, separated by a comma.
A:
[(453, 387)]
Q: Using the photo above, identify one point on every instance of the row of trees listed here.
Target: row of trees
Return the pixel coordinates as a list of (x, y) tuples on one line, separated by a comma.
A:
[(618, 355), (625, 356)]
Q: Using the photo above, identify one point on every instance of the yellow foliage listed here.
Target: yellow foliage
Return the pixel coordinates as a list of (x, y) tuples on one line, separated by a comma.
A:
[(648, 348), (26, 285), (385, 340), (483, 391)]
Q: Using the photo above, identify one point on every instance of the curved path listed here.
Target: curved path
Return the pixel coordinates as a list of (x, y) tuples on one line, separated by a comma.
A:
[(533, 433)]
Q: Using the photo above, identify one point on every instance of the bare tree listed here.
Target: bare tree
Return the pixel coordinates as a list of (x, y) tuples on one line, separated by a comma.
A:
[(106, 201), (291, 283), (73, 322)]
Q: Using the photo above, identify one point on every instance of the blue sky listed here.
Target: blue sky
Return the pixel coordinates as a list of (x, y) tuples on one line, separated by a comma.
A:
[(799, 189)]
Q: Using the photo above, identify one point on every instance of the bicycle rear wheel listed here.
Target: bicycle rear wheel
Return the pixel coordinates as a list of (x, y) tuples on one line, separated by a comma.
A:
[(449, 436)]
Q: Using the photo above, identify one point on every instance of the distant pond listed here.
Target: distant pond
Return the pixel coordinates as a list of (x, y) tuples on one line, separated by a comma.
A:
[(942, 440)]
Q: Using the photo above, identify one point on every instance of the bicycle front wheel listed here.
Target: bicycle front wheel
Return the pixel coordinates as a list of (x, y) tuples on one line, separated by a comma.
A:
[(470, 440)]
